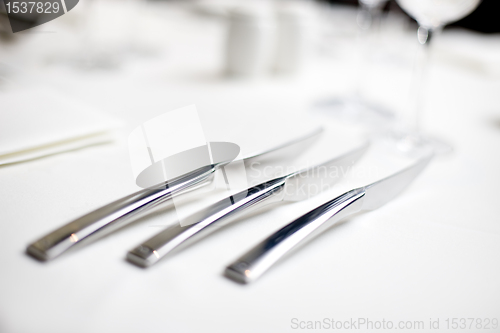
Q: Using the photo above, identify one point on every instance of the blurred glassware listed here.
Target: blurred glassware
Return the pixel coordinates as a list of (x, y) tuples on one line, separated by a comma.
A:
[(354, 106), (431, 16), (294, 34), (250, 40), (266, 36)]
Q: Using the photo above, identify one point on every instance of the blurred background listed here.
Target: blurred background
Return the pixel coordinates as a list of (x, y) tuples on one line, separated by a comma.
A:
[(482, 19), (260, 72), (358, 62), (116, 55)]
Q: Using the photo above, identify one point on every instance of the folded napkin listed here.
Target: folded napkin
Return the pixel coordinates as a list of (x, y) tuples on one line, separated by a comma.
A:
[(37, 123)]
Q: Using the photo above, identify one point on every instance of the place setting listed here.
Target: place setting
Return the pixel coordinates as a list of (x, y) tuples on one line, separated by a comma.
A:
[(335, 171)]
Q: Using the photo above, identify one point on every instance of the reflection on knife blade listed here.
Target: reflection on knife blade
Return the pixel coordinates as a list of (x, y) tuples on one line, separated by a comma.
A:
[(296, 186), (121, 212), (263, 256)]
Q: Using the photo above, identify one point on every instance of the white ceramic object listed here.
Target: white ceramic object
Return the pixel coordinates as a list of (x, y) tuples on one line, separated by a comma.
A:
[(250, 40), (293, 37)]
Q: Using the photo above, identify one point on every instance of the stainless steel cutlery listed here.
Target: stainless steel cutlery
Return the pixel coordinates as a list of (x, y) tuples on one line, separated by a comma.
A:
[(121, 212), (263, 256), (292, 186), (295, 186)]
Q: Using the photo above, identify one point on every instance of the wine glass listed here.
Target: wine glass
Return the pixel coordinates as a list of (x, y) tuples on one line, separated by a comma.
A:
[(354, 106), (431, 16)]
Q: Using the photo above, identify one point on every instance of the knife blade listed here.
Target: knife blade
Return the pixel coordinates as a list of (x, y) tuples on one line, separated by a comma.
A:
[(115, 215), (264, 255), (298, 185)]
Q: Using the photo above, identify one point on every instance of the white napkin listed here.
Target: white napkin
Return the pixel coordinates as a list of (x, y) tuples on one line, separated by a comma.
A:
[(37, 123)]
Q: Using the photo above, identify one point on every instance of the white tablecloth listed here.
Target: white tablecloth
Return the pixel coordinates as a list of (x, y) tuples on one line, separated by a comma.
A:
[(430, 254)]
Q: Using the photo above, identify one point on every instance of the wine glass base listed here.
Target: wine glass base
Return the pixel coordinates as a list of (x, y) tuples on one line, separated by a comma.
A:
[(355, 109), (415, 143)]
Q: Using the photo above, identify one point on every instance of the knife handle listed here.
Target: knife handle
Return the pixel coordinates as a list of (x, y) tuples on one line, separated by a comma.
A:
[(116, 214), (206, 221), (295, 234)]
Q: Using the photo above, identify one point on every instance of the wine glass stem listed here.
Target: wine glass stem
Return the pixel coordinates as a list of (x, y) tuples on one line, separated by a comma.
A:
[(368, 17), (419, 81)]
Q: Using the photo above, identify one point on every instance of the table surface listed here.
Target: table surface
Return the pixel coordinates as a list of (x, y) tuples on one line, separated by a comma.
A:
[(430, 254)]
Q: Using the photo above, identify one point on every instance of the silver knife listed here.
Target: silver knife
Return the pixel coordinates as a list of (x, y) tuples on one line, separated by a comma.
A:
[(258, 260), (123, 211), (292, 187)]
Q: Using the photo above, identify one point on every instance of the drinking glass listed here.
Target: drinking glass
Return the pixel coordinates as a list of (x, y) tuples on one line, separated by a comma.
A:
[(354, 106), (431, 16)]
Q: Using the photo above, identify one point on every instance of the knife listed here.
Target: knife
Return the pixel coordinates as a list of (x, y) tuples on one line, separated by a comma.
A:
[(123, 211), (295, 186), (258, 260)]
